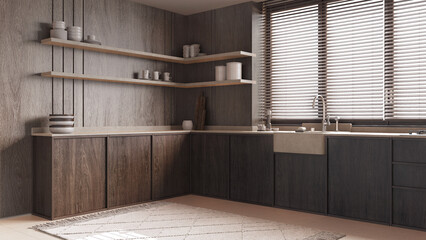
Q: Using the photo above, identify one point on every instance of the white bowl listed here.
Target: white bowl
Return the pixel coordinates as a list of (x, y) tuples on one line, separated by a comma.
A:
[(61, 123), (187, 125), (58, 25), (61, 130), (74, 29), (75, 38), (58, 33)]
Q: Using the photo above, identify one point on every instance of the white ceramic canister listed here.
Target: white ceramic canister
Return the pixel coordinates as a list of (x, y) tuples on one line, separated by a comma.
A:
[(234, 70), (186, 51), (187, 125), (220, 73)]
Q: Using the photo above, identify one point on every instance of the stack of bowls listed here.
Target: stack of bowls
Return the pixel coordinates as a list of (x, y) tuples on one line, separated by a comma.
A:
[(61, 123), (75, 33), (58, 30)]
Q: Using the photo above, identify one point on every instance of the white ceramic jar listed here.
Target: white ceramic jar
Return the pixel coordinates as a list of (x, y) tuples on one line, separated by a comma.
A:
[(220, 73), (234, 70), (187, 125)]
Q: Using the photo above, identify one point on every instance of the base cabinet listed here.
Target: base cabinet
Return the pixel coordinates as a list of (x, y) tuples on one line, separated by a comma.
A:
[(210, 165), (252, 169), (301, 182), (75, 170), (129, 170), (359, 183), (170, 165)]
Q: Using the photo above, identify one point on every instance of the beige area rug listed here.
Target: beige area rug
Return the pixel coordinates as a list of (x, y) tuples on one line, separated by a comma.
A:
[(165, 220)]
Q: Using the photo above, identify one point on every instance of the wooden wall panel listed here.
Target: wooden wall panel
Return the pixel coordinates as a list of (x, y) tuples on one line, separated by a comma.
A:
[(57, 62), (128, 25), (25, 98), (78, 68)]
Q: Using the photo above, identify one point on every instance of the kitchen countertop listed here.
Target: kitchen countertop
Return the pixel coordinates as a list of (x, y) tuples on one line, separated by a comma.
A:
[(43, 132)]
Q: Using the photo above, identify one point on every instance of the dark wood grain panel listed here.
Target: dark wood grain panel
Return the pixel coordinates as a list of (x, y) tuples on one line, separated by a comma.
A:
[(409, 175), (409, 208), (42, 176), (170, 166), (210, 165), (79, 166), (129, 170), (58, 63), (409, 150), (252, 169), (359, 182), (25, 98), (301, 181)]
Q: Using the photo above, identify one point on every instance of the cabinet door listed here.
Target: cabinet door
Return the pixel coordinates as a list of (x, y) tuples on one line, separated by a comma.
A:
[(359, 183), (301, 181), (129, 170), (210, 165), (170, 165), (252, 169), (78, 169)]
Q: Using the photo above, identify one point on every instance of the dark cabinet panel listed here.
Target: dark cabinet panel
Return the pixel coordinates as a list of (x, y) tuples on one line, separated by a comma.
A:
[(210, 165), (170, 165), (409, 150), (409, 208), (359, 183), (129, 170), (408, 175), (78, 170), (252, 168), (301, 181), (42, 191)]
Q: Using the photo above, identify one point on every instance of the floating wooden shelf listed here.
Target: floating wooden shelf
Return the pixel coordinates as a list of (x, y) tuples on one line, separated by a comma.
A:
[(145, 55), (146, 82)]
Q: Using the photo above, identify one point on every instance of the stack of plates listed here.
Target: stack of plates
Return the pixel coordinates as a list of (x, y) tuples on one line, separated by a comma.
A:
[(58, 30), (75, 33), (61, 123)]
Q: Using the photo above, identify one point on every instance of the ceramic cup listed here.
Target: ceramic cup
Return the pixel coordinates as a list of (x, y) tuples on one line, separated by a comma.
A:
[(167, 76), (187, 125), (186, 51), (156, 75), (194, 50), (145, 74), (220, 73)]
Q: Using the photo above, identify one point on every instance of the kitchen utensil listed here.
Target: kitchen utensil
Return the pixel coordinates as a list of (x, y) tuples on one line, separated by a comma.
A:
[(186, 51), (156, 75), (166, 76), (187, 125), (234, 70), (220, 73)]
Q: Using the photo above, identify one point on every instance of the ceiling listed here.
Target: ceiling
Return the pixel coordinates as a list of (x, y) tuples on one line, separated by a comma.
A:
[(188, 7)]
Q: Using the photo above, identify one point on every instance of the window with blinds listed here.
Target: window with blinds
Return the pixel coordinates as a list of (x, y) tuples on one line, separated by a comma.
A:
[(294, 62), (406, 90), (355, 61), (367, 58)]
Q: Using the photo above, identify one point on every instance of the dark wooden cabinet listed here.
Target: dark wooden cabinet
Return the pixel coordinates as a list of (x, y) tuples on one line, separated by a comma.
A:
[(170, 165), (77, 176), (409, 150), (359, 184), (252, 168), (301, 181), (210, 165), (409, 208), (129, 170)]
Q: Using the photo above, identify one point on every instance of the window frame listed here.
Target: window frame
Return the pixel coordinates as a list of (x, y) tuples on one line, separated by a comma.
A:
[(322, 35)]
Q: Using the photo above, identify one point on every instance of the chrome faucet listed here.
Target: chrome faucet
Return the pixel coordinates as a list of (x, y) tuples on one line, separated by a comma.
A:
[(325, 122)]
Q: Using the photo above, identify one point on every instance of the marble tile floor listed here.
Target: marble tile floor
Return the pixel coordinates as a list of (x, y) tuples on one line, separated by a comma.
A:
[(19, 227)]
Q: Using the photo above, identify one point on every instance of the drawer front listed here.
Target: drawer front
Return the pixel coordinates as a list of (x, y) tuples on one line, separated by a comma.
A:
[(405, 175), (409, 208), (409, 150)]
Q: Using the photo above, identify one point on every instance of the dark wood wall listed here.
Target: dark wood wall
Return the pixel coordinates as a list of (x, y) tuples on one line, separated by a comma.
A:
[(221, 30)]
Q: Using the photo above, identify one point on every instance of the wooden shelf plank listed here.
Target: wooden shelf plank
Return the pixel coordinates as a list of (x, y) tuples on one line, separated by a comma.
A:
[(145, 82), (145, 55)]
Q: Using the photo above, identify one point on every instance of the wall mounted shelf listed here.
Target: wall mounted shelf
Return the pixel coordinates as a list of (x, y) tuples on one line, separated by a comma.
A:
[(145, 55), (146, 82)]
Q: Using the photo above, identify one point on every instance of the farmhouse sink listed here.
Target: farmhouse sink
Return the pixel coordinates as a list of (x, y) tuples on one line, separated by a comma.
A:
[(302, 143)]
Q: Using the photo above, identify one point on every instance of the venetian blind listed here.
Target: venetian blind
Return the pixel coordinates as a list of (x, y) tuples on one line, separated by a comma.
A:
[(291, 61), (406, 88), (355, 59)]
